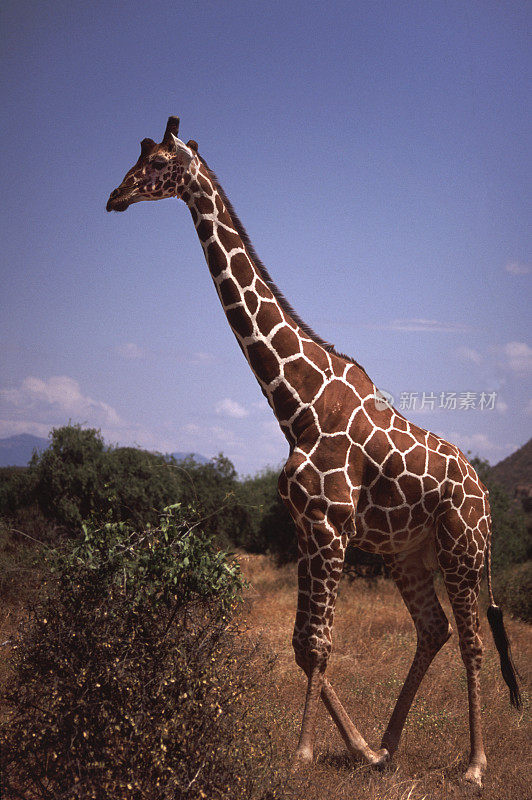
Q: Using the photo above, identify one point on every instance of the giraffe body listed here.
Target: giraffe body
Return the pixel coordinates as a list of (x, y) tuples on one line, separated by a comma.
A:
[(357, 472)]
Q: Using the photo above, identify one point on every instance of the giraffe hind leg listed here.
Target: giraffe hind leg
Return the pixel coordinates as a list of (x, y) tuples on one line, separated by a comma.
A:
[(416, 583), (462, 574)]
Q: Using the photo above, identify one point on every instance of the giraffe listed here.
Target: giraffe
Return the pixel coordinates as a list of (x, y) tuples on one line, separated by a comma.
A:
[(357, 470)]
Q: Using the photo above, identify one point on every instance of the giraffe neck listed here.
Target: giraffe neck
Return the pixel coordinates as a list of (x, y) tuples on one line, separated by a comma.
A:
[(289, 361)]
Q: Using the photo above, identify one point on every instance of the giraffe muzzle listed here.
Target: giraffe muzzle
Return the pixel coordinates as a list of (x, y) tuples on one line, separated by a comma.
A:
[(116, 202)]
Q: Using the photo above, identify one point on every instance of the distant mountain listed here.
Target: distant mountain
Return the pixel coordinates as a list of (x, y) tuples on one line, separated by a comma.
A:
[(516, 470), (199, 459), (515, 475), (16, 451)]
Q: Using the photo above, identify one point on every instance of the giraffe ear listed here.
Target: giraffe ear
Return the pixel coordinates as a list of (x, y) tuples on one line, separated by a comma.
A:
[(193, 145), (181, 149)]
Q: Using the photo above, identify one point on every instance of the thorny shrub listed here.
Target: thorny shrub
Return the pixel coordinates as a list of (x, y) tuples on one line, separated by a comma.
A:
[(131, 679)]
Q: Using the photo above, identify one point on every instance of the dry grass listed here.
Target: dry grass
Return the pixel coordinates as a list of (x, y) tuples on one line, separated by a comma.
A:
[(373, 644)]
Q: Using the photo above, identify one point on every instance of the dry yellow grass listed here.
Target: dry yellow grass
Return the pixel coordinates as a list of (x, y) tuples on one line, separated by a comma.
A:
[(374, 642)]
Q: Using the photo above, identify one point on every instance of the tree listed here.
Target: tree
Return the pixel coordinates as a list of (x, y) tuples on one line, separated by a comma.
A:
[(511, 543)]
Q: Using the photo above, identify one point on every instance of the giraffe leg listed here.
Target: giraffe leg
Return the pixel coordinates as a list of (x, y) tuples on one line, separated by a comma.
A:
[(416, 584), (464, 603), (318, 583)]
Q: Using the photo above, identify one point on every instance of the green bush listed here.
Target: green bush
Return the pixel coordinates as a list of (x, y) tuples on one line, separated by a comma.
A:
[(513, 590), (131, 680)]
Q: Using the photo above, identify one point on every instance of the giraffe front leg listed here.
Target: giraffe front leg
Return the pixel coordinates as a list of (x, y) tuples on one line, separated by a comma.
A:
[(319, 570)]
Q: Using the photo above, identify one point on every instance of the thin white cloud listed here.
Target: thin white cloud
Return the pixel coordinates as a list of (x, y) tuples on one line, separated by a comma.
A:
[(469, 354), (130, 350), (231, 408), (518, 268), (478, 444), (518, 357), (423, 325), (55, 401)]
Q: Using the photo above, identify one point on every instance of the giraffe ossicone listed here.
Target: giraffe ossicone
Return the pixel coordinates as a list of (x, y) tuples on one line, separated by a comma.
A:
[(358, 471)]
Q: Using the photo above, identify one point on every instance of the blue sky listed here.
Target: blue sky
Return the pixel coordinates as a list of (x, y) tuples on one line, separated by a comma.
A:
[(378, 155)]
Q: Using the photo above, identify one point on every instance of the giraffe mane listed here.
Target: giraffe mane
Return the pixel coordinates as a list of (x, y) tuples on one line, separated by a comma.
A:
[(266, 277)]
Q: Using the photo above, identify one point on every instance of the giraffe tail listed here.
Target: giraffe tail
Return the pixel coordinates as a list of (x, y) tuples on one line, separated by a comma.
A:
[(502, 643)]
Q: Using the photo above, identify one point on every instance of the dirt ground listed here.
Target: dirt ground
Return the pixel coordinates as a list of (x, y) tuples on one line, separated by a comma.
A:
[(374, 642)]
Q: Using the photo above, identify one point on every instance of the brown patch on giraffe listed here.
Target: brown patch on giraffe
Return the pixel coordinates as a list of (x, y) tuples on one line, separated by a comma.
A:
[(431, 500), (268, 317), (472, 488), (335, 487), (378, 446), (297, 496), (402, 441), (229, 292), (394, 465), (307, 379), (436, 465), (309, 478), (241, 269), (205, 184), (355, 465), (335, 403), (399, 422), (194, 187), (194, 214), (376, 520), (418, 515), (251, 301), (217, 258), (386, 494), (412, 487), (239, 321), (399, 517), (304, 427), (228, 239), (430, 483), (285, 343), (415, 460), (204, 205), (284, 402), (331, 453), (338, 366), (264, 291), (360, 426), (263, 361), (358, 378), (220, 208), (340, 514), (316, 354), (205, 229), (381, 418), (446, 449), (282, 484)]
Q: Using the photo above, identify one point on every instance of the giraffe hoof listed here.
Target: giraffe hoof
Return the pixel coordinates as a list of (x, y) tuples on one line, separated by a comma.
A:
[(302, 757), (473, 775), (382, 757)]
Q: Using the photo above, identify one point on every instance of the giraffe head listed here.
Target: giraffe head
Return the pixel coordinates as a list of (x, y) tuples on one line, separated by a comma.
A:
[(159, 172)]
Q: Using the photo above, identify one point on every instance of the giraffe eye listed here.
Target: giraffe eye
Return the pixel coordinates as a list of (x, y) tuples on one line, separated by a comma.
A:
[(159, 163)]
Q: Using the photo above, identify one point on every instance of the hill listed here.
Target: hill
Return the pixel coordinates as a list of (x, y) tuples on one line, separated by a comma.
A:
[(514, 473), (16, 451)]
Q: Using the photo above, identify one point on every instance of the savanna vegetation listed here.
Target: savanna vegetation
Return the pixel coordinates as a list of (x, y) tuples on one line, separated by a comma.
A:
[(147, 660)]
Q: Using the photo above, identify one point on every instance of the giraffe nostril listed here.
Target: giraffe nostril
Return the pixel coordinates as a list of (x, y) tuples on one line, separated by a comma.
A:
[(114, 193)]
